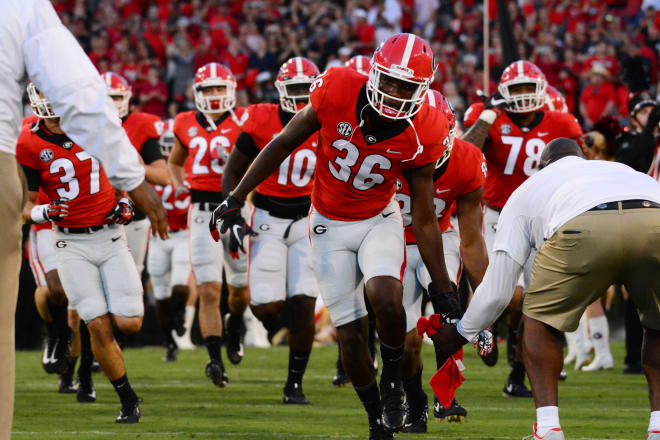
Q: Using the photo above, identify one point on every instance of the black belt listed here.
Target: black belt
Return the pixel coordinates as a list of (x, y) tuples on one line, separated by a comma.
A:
[(625, 204), (83, 230), (207, 206)]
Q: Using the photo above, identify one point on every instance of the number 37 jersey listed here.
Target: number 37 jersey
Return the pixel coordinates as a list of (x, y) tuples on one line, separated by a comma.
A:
[(357, 168), (512, 155)]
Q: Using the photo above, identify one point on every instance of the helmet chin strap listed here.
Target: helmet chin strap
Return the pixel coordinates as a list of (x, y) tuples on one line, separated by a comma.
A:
[(360, 125), (420, 149), (211, 122)]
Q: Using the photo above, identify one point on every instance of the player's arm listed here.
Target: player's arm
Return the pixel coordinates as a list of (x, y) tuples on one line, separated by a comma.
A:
[(240, 158), (176, 162), (33, 213), (31, 203), (303, 124), (478, 132), (473, 246), (427, 232), (154, 163)]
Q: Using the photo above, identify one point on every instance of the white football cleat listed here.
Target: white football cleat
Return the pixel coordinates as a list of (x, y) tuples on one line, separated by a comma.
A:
[(553, 434), (183, 342), (653, 435), (605, 362)]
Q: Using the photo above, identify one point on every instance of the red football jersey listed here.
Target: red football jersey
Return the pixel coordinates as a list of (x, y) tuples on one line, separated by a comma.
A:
[(294, 176), (192, 130), (177, 209), (513, 154), (140, 127), (29, 120), (67, 171), (357, 168), (465, 172)]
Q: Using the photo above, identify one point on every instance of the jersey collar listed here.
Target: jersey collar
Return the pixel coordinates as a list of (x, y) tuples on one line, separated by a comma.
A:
[(440, 171), (384, 130), (538, 117), (58, 139), (201, 120)]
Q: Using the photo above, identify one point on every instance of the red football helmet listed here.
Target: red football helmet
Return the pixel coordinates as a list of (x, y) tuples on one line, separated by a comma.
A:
[(439, 101), (523, 72), (554, 100), (39, 104), (214, 75), (360, 63), (404, 62), (293, 81), (118, 88), (166, 130)]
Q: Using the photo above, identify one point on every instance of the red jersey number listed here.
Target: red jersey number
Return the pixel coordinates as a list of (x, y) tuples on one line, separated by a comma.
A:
[(302, 170), (69, 177), (203, 148), (365, 178), (533, 149)]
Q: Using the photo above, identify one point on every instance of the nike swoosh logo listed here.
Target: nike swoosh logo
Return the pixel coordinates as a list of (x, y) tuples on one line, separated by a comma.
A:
[(388, 214), (225, 130), (541, 134), (497, 102), (235, 229), (392, 151), (437, 191), (115, 238)]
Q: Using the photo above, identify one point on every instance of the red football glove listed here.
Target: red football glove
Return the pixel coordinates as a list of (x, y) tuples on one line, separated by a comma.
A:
[(57, 210), (123, 212)]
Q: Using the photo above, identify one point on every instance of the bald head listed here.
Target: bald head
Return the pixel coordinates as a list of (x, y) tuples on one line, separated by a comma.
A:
[(558, 148)]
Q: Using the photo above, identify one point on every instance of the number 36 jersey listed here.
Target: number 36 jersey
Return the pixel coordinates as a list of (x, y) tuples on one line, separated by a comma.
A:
[(513, 153), (356, 167), (62, 169), (209, 148)]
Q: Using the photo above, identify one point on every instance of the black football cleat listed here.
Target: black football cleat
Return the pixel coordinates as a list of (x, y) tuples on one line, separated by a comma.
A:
[(96, 367), (129, 413), (378, 432), (171, 353), (293, 394), (216, 372), (633, 368), (341, 378), (515, 390), (233, 338), (50, 341), (563, 375), (179, 321), (417, 416), (86, 392), (60, 358), (491, 358), (66, 384), (394, 412), (454, 414)]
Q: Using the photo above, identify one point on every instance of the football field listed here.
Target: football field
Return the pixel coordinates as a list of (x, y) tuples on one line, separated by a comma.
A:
[(179, 402)]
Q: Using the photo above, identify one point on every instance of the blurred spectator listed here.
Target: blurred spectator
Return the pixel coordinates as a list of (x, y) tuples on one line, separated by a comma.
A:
[(598, 99), (182, 64), (152, 94)]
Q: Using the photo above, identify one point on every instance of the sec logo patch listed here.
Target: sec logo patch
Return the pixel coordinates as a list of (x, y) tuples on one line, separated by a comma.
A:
[(505, 129), (345, 129), (192, 131), (46, 155)]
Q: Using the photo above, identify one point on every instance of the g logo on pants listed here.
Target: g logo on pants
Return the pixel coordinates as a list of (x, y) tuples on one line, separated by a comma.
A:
[(60, 244), (320, 229)]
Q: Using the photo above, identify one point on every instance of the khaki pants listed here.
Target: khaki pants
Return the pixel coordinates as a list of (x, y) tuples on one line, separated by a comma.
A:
[(11, 203), (588, 254)]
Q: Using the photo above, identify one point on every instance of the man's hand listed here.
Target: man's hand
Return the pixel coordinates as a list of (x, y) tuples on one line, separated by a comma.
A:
[(496, 102), (123, 212), (148, 202), (484, 343), (446, 304), (57, 210), (447, 340), (227, 217)]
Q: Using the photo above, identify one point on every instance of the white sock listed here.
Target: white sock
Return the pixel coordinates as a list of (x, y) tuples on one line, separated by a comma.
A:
[(654, 423), (599, 331), (547, 417), (190, 317)]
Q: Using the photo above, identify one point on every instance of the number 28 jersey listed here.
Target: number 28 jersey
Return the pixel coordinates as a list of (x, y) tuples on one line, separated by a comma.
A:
[(357, 168), (513, 154), (195, 134), (67, 171)]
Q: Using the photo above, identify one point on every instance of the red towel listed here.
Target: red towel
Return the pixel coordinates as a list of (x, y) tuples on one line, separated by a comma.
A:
[(447, 379)]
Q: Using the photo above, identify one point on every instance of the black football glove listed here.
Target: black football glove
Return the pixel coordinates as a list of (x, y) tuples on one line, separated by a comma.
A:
[(446, 304), (57, 210), (123, 212), (496, 102), (227, 217)]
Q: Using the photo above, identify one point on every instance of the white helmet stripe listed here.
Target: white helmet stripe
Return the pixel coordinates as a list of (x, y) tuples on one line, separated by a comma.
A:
[(359, 64), (299, 66), (108, 79), (519, 64), (408, 50), (431, 97), (214, 71)]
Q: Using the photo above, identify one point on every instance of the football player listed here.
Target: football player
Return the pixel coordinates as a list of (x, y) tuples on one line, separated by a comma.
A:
[(372, 129), (458, 178), (93, 260), (280, 267), (168, 261), (208, 135), (512, 129), (142, 130)]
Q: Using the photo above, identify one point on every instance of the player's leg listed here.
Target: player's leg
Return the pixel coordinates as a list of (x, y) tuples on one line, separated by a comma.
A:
[(206, 260), (57, 305), (66, 379), (599, 332), (179, 281), (137, 234), (41, 300), (184, 342), (159, 266), (86, 392)]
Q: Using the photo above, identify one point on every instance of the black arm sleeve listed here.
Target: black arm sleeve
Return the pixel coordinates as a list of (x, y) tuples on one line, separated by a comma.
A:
[(32, 177), (151, 151), (246, 145)]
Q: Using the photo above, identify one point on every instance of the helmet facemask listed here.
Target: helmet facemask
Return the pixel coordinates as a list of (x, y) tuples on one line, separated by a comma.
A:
[(294, 93), (39, 104), (216, 103), (388, 105), (121, 101), (527, 101)]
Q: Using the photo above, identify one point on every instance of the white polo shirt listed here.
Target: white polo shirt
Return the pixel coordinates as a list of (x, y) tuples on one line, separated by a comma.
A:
[(535, 211), (34, 41)]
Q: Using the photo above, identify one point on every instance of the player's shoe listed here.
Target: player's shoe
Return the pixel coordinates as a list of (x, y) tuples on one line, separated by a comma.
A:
[(562, 375), (515, 390), (171, 353), (581, 358), (653, 435), (233, 338), (378, 432), (216, 372), (605, 362), (633, 368), (417, 416), (179, 322), (553, 434), (394, 412), (96, 368), (454, 414), (183, 342), (85, 392), (50, 341), (491, 358), (293, 394), (341, 378), (60, 359), (66, 385), (129, 413)]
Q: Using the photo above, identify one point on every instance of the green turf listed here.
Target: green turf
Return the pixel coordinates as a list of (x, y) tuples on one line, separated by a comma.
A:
[(179, 402)]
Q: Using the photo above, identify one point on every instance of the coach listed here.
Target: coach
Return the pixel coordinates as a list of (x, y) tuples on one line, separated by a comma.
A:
[(34, 41), (594, 224)]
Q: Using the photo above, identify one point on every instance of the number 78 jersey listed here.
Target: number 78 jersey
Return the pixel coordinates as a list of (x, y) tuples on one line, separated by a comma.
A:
[(513, 154)]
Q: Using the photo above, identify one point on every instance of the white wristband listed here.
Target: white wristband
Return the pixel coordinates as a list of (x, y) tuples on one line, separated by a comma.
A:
[(39, 214), (488, 116)]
